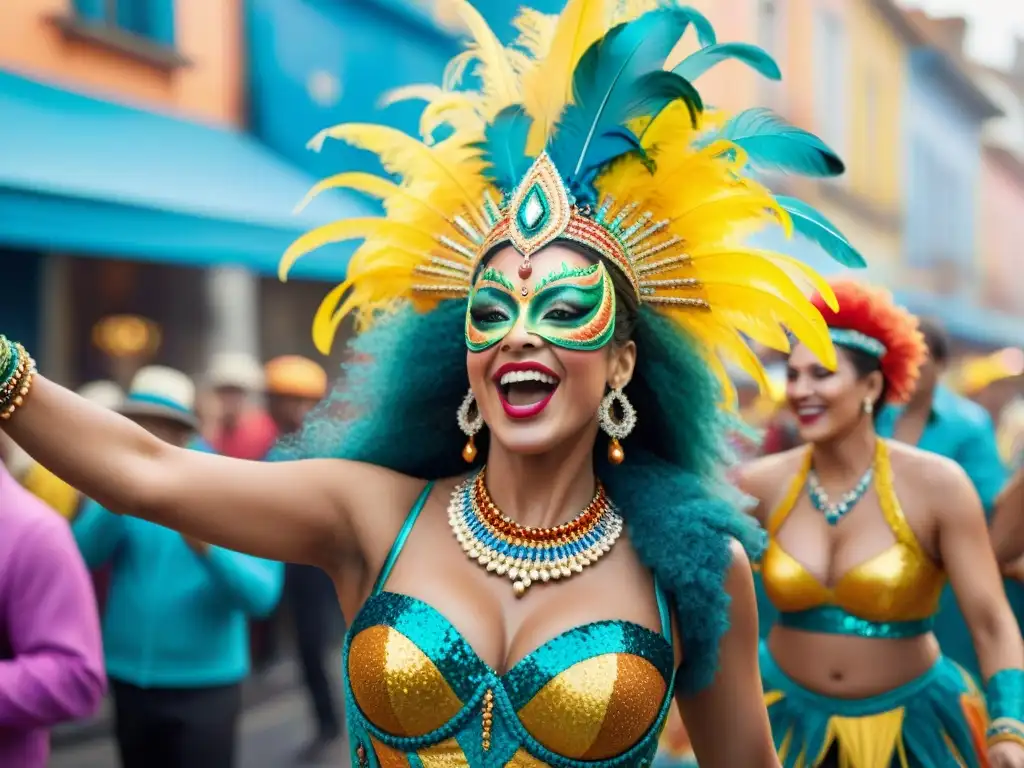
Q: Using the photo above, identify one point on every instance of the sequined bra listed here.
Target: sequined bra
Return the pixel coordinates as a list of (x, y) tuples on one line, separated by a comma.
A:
[(893, 594), (419, 696)]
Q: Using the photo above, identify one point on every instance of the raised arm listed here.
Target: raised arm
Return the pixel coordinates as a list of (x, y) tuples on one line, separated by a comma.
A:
[(290, 511), (1007, 529), (727, 721)]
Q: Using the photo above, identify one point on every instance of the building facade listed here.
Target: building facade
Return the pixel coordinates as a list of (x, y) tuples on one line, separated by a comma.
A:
[(848, 67), (943, 271), (134, 210), (1001, 225)]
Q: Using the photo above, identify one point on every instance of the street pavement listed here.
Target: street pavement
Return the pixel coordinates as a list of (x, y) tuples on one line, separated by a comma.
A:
[(272, 733)]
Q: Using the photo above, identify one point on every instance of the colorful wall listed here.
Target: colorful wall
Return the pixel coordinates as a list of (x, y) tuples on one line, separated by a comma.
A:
[(38, 39)]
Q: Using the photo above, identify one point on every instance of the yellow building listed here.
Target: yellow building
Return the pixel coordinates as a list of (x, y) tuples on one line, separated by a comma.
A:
[(848, 86), (844, 70)]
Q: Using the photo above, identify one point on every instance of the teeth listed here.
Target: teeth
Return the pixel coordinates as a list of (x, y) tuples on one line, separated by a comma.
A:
[(518, 376), (810, 411)]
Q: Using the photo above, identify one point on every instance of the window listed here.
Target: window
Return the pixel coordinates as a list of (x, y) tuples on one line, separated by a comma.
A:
[(940, 217), (830, 98), (151, 19)]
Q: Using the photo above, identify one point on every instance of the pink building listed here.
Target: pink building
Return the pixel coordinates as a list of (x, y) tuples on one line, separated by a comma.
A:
[(1001, 198)]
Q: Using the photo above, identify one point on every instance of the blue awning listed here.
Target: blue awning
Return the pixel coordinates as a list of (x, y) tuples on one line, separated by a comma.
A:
[(86, 176)]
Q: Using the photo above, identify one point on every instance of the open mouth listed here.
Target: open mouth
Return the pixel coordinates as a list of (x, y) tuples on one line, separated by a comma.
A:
[(525, 389), (808, 414)]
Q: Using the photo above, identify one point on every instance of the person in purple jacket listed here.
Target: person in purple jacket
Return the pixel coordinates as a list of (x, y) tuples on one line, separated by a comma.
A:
[(51, 657)]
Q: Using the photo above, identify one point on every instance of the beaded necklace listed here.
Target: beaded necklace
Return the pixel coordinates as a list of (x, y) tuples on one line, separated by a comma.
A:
[(528, 555), (836, 511)]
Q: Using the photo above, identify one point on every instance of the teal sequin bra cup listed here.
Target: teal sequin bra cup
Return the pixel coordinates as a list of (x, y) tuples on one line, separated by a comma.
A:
[(595, 696)]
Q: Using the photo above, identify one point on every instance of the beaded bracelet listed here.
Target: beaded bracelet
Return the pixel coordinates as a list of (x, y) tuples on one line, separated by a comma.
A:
[(1005, 729), (1005, 698), (18, 370)]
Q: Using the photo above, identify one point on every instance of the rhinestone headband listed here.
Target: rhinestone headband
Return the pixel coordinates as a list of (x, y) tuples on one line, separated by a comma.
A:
[(541, 211), (846, 337)]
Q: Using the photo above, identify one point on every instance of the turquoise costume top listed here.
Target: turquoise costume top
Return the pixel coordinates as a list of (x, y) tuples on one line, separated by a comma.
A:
[(417, 694)]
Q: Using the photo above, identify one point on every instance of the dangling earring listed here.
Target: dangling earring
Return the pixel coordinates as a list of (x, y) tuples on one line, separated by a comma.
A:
[(470, 424), (869, 406), (616, 430)]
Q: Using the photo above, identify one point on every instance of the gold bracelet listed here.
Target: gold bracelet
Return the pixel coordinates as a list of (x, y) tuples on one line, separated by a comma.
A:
[(1005, 729), (15, 396)]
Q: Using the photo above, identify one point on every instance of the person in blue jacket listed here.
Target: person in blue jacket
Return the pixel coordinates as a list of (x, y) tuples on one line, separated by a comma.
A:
[(175, 628)]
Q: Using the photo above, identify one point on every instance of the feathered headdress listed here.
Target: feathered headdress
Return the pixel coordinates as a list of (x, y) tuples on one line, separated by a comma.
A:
[(585, 130), (869, 320)]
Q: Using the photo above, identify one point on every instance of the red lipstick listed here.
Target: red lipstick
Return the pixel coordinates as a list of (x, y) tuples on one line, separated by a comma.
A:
[(532, 409)]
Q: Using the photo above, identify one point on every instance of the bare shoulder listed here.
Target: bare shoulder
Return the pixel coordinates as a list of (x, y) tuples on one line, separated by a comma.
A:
[(938, 479), (739, 576), (372, 501), (767, 478)]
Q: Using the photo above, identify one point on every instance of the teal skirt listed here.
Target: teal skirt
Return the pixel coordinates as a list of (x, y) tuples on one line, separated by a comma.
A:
[(935, 721)]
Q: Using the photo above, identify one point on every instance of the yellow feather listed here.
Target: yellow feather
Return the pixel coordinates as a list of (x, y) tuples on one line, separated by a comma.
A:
[(455, 70), (425, 91), (451, 164), (351, 229), (326, 321), (673, 127), (802, 320), (548, 88), (398, 202), (765, 332), (536, 31), (803, 275), (458, 109), (723, 341), (495, 71)]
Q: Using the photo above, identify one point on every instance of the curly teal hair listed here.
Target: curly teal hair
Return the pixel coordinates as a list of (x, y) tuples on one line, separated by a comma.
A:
[(395, 407)]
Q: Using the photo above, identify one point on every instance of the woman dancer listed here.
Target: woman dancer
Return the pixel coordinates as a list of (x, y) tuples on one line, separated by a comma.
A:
[(578, 227), (851, 672)]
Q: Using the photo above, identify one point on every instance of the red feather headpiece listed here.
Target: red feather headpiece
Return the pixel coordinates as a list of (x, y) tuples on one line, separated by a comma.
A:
[(872, 312)]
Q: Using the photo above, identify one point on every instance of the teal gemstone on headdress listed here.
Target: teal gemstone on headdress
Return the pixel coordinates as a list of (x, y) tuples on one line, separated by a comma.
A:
[(534, 212)]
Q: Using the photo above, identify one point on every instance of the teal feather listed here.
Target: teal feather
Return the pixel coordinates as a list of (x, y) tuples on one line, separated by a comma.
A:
[(504, 147), (699, 62), (705, 31), (620, 77), (656, 90), (810, 224), (772, 144)]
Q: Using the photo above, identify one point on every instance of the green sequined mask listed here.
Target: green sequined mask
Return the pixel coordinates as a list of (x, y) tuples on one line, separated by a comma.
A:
[(572, 308)]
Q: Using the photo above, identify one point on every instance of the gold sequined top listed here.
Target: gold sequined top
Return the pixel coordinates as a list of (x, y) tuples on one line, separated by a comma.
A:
[(893, 594), (593, 697)]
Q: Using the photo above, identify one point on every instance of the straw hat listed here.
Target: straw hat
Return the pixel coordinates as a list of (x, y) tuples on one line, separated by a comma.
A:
[(164, 393), (295, 376)]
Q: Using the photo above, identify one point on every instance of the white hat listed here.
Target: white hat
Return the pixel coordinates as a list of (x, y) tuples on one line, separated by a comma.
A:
[(103, 392), (235, 369), (162, 392)]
